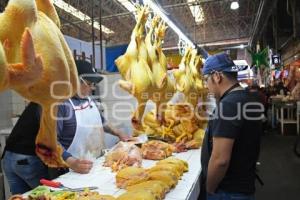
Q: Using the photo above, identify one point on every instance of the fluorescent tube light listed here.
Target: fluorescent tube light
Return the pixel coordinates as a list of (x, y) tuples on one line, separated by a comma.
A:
[(197, 12), (78, 14), (128, 5), (156, 9)]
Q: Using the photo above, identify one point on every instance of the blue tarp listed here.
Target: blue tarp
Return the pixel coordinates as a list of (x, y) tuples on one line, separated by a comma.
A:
[(112, 53)]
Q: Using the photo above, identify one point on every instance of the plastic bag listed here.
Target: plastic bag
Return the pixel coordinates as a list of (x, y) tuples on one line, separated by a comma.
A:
[(123, 155)]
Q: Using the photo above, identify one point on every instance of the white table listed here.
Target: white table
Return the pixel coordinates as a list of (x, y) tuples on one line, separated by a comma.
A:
[(102, 177)]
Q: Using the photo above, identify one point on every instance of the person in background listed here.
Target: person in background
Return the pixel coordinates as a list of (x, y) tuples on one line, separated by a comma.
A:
[(281, 89), (232, 140), (80, 124), (21, 166)]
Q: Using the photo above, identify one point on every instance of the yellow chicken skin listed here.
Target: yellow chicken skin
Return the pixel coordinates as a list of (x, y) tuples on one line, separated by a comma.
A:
[(168, 167), (164, 88), (137, 195), (158, 188), (38, 65), (197, 140), (131, 176), (183, 164), (144, 68), (26, 72), (167, 177), (133, 67)]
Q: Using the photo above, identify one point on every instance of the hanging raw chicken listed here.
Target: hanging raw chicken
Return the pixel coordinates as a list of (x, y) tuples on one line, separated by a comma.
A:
[(163, 86), (47, 77), (188, 77), (133, 67)]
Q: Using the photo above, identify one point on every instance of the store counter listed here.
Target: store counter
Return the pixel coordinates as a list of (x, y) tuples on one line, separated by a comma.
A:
[(187, 188)]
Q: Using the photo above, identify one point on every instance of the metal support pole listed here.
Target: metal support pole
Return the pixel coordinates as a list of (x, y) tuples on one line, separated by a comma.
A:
[(275, 30), (93, 34), (100, 34)]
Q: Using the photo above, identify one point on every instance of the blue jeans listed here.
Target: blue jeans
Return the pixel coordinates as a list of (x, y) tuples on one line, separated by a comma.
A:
[(23, 172), (220, 195)]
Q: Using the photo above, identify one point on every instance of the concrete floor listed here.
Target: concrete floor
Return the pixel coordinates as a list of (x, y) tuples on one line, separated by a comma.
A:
[(279, 169)]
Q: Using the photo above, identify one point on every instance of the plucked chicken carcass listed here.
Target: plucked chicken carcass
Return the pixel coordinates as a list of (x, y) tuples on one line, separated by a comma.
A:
[(168, 177), (123, 155), (181, 122), (38, 65), (188, 77), (130, 176), (182, 165), (156, 150), (152, 183), (158, 188), (26, 72), (137, 195), (144, 68), (164, 88), (134, 68)]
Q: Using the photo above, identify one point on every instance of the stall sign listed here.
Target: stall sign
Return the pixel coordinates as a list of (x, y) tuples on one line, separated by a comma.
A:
[(276, 59)]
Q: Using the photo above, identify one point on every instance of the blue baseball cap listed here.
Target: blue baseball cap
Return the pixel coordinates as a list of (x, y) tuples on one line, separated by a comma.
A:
[(220, 62)]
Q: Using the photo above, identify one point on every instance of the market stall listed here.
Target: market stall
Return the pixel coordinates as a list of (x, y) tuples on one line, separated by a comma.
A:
[(103, 178)]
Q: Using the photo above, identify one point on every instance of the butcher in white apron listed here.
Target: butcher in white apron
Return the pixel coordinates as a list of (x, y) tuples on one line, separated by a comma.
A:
[(83, 143), (89, 136)]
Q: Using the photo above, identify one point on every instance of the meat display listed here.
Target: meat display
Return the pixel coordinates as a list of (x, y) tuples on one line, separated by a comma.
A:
[(156, 150), (123, 155), (131, 176)]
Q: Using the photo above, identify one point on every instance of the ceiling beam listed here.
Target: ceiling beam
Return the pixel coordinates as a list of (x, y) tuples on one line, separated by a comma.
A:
[(75, 25), (264, 12), (164, 7), (107, 10), (225, 42)]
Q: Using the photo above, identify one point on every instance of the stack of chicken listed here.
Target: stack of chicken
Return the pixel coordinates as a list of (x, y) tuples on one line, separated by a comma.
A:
[(178, 123), (144, 68), (131, 176), (154, 183), (123, 155), (182, 126), (156, 150)]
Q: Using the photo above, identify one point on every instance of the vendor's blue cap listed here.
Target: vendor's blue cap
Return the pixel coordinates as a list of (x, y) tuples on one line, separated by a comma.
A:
[(219, 62)]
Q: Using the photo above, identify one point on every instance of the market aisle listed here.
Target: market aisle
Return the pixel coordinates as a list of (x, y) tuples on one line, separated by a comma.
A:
[(280, 169)]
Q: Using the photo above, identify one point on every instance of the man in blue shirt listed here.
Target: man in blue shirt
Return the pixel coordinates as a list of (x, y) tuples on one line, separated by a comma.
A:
[(232, 139)]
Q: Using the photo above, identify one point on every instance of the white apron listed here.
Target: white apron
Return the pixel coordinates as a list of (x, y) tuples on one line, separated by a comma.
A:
[(89, 136)]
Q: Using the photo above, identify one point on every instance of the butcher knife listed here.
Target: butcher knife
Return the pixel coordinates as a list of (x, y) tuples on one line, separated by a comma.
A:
[(59, 185)]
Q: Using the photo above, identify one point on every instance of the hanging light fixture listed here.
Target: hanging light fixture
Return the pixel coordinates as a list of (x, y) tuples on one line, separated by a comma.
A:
[(234, 5), (80, 15)]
